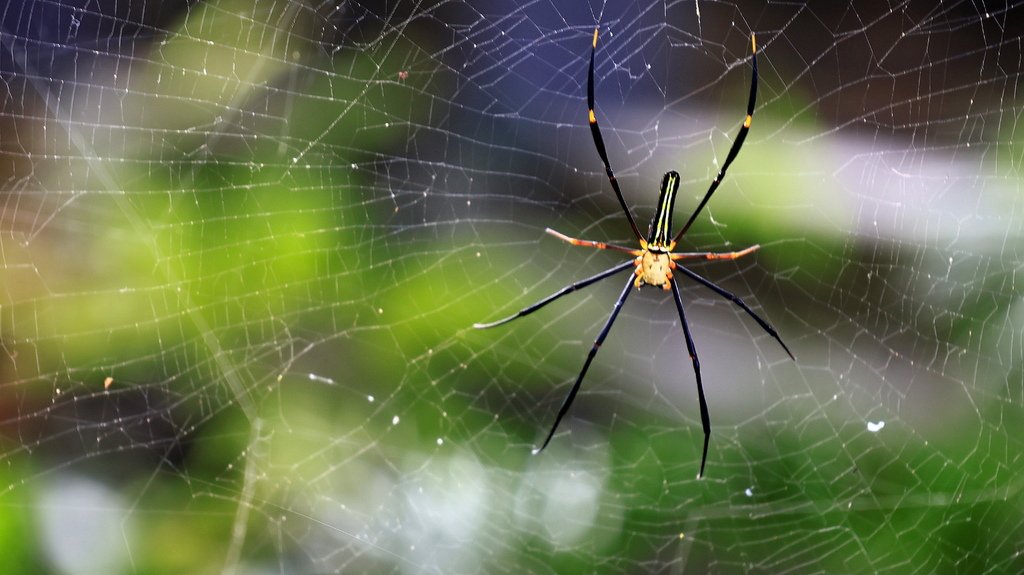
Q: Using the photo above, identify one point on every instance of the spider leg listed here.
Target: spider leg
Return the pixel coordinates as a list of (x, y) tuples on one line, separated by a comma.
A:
[(595, 131), (586, 364), (734, 299), (705, 419), (566, 290), (592, 244), (714, 255), (736, 144)]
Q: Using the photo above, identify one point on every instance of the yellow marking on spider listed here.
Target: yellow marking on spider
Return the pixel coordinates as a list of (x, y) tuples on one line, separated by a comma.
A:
[(663, 217), (753, 43), (747, 120), (592, 117), (595, 38)]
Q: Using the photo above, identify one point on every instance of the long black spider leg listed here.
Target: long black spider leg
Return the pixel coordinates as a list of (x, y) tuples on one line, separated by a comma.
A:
[(586, 364), (736, 144), (705, 419), (564, 291), (595, 131), (736, 300)]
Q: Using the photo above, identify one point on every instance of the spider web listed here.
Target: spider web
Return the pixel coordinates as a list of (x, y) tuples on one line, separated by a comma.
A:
[(242, 249)]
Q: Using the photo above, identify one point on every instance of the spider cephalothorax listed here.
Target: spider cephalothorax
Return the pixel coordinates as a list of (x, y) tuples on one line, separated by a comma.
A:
[(654, 267), (655, 260)]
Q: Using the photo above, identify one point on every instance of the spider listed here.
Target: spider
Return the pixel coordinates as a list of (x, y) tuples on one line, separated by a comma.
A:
[(655, 261)]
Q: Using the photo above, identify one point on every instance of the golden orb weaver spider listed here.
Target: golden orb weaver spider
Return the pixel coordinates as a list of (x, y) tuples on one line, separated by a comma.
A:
[(654, 262)]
